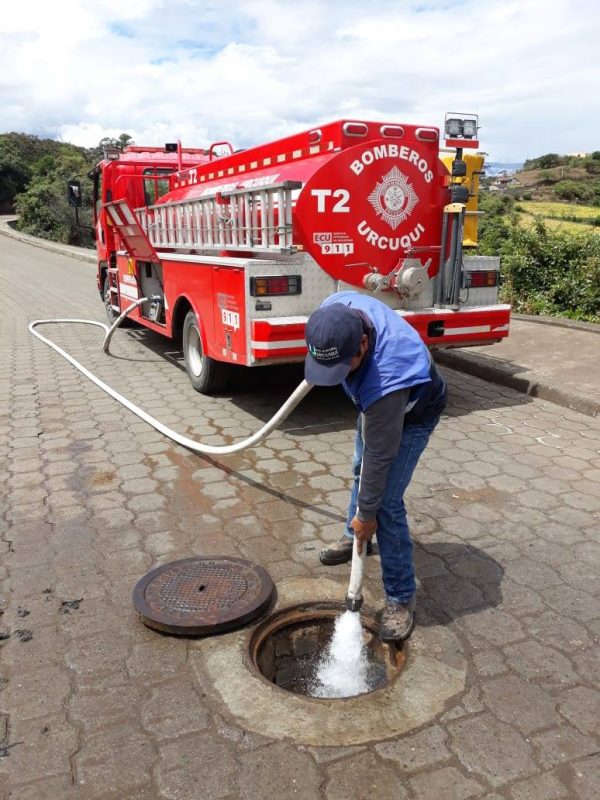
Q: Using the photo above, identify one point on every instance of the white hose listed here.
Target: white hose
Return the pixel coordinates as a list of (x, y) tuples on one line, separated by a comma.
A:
[(286, 409), (354, 596), (357, 573)]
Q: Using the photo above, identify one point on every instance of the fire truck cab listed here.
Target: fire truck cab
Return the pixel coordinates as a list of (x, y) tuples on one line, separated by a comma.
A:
[(234, 250)]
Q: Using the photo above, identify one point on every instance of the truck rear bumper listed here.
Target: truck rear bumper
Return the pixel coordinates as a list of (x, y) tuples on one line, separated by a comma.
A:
[(440, 327), (282, 339)]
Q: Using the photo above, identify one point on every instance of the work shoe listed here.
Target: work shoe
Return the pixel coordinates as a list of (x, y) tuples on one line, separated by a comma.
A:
[(340, 552), (398, 620)]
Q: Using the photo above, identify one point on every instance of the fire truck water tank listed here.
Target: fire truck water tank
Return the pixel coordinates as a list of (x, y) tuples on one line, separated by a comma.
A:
[(375, 203)]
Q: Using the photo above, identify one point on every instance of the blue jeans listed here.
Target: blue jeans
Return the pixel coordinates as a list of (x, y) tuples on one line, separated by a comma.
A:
[(393, 536)]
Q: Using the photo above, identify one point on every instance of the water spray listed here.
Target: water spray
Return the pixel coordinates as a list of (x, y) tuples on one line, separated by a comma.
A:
[(343, 668)]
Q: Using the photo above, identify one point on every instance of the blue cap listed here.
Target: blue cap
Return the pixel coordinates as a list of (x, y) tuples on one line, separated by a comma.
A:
[(333, 335)]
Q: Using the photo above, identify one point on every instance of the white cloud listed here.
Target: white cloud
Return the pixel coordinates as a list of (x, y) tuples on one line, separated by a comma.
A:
[(253, 70)]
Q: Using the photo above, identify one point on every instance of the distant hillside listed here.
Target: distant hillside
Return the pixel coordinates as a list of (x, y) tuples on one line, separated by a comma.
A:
[(571, 179), (570, 184)]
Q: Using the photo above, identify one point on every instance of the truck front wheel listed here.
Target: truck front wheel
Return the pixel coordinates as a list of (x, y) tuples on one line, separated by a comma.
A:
[(206, 375), (111, 314)]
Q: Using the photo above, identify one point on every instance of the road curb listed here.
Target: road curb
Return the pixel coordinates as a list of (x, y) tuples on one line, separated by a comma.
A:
[(495, 372), (558, 322)]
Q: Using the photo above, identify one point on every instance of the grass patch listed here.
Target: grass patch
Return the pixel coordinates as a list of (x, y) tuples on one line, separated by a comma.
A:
[(556, 223), (559, 210)]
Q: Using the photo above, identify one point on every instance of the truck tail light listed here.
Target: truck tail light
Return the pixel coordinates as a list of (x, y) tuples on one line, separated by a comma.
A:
[(479, 279), (276, 285)]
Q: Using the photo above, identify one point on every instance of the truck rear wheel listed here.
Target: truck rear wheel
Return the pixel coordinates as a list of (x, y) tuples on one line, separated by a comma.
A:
[(206, 375)]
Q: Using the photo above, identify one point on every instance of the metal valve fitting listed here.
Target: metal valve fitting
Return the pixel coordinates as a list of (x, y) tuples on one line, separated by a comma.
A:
[(354, 603)]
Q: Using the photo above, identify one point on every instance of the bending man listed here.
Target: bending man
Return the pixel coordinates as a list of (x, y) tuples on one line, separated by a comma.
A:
[(387, 372)]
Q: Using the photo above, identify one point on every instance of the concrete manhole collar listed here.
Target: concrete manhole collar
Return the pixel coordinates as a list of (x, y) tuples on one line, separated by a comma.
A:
[(434, 671)]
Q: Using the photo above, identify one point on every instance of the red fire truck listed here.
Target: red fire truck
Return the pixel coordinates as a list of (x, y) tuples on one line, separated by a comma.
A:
[(235, 249)]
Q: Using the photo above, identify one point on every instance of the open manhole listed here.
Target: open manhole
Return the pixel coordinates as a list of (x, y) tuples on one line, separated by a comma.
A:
[(203, 595), (287, 648)]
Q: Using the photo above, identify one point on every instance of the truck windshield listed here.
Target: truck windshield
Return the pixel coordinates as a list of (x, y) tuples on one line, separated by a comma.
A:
[(155, 187)]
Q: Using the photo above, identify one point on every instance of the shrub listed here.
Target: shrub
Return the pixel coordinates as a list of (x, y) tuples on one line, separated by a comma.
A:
[(572, 190), (545, 271), (546, 161), (592, 166)]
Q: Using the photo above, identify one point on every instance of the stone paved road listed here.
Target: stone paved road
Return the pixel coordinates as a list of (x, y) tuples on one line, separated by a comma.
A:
[(505, 508)]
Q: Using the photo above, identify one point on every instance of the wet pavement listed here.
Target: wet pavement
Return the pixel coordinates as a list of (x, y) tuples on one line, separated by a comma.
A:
[(505, 512)]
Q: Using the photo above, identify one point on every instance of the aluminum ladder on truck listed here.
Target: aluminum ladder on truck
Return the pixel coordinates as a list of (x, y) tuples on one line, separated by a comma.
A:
[(257, 220), (134, 239)]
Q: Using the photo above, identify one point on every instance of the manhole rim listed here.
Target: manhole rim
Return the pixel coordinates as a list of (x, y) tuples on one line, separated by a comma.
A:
[(429, 683), (324, 609), (158, 621)]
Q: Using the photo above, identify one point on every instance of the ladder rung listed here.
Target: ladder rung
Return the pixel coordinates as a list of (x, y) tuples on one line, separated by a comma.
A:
[(256, 219)]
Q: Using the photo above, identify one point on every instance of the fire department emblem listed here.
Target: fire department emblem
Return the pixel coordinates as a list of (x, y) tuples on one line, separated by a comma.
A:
[(393, 198)]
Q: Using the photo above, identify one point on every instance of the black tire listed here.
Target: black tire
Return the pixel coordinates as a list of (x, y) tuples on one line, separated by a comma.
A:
[(206, 375), (111, 314)]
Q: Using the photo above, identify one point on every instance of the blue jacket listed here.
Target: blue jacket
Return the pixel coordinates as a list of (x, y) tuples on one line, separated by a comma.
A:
[(397, 358)]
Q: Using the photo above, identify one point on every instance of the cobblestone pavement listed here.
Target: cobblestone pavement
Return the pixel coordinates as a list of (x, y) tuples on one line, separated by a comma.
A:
[(505, 509)]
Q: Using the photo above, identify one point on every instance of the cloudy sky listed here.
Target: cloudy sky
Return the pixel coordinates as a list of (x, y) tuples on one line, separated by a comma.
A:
[(253, 70)]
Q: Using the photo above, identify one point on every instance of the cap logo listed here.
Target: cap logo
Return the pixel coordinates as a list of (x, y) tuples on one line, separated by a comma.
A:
[(324, 354)]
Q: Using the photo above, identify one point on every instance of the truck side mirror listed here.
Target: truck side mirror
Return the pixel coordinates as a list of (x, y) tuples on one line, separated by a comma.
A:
[(75, 197)]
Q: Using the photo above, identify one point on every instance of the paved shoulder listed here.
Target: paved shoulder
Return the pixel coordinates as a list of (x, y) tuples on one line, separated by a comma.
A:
[(553, 362), (79, 253)]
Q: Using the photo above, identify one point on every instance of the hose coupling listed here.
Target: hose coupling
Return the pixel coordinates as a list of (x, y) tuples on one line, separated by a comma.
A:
[(354, 603)]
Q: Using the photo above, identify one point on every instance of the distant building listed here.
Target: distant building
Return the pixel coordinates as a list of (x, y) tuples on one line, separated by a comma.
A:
[(504, 182), (579, 155)]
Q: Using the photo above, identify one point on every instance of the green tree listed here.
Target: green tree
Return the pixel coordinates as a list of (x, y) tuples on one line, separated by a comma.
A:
[(592, 166), (545, 161), (550, 160), (33, 180), (18, 153), (120, 143), (43, 207), (14, 174), (574, 191)]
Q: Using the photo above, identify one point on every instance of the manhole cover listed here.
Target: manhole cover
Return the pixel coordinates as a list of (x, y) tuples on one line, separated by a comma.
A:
[(201, 595)]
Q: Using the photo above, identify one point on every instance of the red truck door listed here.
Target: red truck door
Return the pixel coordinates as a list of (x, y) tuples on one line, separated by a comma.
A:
[(229, 285)]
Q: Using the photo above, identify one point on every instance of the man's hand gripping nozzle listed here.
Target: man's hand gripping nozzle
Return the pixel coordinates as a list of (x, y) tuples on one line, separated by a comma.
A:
[(354, 598)]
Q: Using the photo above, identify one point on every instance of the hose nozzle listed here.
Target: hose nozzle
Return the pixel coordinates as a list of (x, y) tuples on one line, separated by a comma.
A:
[(354, 603), (354, 599)]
